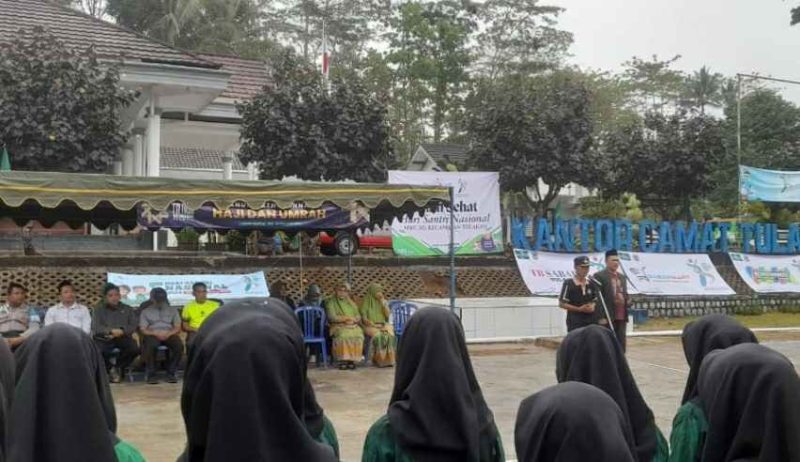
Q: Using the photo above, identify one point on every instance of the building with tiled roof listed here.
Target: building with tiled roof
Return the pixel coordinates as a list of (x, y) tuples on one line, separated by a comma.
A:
[(185, 116), (438, 156)]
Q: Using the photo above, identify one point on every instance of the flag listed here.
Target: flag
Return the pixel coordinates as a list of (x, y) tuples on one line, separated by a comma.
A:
[(326, 58), (5, 161)]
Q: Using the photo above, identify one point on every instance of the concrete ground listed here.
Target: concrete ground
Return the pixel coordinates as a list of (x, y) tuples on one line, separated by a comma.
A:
[(149, 415)]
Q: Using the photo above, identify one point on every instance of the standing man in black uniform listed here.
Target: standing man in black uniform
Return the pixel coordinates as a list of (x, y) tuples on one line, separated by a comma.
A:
[(579, 298)]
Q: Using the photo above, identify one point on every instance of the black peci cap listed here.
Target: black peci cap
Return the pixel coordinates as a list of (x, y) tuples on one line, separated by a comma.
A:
[(612, 253), (581, 261)]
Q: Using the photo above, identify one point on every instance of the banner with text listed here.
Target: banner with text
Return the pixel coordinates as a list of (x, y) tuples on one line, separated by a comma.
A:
[(672, 274), (135, 288), (649, 274), (545, 272), (478, 224), (239, 216), (766, 274), (758, 184)]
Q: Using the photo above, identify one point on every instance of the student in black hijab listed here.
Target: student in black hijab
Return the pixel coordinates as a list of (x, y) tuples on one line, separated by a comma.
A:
[(747, 409), (63, 410), (700, 337), (7, 377), (592, 355), (245, 389), (572, 422), (437, 411)]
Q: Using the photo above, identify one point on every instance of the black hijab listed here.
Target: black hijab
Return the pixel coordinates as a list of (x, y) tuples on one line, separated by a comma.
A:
[(700, 337), (7, 376), (437, 411), (750, 395), (592, 355), (62, 409), (572, 422), (245, 386)]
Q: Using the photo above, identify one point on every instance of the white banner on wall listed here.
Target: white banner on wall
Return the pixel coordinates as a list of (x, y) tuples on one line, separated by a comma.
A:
[(545, 272), (135, 288), (648, 273), (478, 224), (673, 274), (768, 273)]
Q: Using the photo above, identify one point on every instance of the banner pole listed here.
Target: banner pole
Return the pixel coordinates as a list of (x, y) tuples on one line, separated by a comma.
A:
[(300, 235), (452, 251)]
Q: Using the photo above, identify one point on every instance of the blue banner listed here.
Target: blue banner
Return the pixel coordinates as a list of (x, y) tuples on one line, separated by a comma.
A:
[(758, 184), (239, 216)]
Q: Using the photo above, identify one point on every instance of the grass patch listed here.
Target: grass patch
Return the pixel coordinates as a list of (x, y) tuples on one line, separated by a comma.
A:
[(771, 319)]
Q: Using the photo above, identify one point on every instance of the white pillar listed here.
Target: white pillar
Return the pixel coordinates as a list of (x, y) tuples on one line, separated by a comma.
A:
[(117, 167), (154, 140), (227, 167), (127, 161), (252, 171), (138, 152)]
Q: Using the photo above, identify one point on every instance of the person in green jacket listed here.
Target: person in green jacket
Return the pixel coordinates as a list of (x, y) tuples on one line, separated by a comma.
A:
[(62, 409), (437, 411), (592, 355), (747, 408)]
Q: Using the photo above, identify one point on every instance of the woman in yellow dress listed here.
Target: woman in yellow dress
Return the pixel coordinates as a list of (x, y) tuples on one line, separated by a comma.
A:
[(375, 318), (345, 327)]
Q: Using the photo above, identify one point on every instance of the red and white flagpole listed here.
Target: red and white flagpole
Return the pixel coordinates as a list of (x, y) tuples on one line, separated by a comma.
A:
[(326, 60)]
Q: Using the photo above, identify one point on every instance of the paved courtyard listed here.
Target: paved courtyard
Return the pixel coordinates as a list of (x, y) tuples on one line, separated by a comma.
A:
[(149, 415)]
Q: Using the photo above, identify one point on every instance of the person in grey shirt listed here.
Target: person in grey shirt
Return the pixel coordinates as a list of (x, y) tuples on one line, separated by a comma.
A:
[(160, 324)]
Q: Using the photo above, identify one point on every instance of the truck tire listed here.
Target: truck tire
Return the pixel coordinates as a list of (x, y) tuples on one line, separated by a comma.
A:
[(346, 244)]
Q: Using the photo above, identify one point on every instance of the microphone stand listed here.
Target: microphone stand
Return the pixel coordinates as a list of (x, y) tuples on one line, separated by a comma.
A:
[(603, 302)]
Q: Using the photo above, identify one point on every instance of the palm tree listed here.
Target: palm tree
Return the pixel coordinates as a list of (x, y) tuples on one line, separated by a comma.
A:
[(704, 88), (179, 13)]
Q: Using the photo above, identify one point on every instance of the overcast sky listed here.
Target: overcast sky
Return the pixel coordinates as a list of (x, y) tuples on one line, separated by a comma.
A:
[(729, 36)]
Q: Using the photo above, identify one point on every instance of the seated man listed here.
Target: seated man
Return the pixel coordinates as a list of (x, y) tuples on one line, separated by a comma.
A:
[(68, 310), (160, 324), (195, 312), (113, 326), (17, 320)]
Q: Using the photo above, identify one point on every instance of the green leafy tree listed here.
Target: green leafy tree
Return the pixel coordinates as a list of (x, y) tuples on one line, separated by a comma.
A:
[(704, 88), (59, 107), (654, 83), (298, 128), (430, 51), (533, 131), (520, 36), (666, 162)]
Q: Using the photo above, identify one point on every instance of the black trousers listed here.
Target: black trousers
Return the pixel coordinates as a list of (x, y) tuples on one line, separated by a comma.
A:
[(621, 329), (150, 346), (128, 350)]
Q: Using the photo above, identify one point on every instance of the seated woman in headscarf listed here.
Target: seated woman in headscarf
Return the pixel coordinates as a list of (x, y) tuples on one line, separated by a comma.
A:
[(313, 297), (592, 355), (380, 334), (572, 422), (245, 396), (747, 409), (437, 411), (345, 327), (62, 409)]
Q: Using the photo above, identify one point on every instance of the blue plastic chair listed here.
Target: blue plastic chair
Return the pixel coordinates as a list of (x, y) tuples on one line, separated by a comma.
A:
[(312, 320), (401, 311)]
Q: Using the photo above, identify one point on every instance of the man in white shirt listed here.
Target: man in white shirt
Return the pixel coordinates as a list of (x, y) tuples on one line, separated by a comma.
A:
[(68, 311)]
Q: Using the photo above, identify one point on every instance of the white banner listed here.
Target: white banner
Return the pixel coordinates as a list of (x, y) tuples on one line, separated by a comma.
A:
[(478, 223), (672, 274), (135, 288), (545, 272), (768, 273), (648, 273)]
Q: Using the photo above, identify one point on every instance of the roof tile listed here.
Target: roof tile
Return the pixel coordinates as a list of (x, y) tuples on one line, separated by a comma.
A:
[(197, 158), (248, 76)]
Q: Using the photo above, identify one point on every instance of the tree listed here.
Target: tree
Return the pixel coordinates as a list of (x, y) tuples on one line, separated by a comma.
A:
[(795, 12), (666, 162), (208, 26), (532, 131), (654, 83), (297, 128), (520, 36), (704, 88), (59, 108), (430, 49)]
